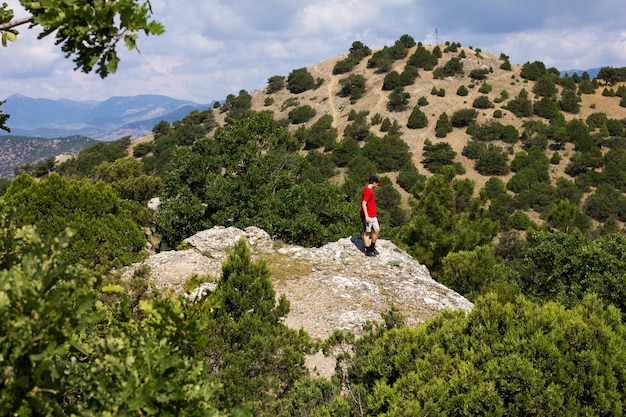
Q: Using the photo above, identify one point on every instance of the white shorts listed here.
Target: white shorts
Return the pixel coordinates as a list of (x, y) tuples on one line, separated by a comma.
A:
[(372, 225)]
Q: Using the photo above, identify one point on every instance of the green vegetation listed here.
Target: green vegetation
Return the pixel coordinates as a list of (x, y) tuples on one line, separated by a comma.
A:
[(88, 34), (300, 80), (358, 51), (540, 253)]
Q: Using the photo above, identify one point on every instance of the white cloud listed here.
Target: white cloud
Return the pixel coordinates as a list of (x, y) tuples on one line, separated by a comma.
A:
[(334, 16), (212, 48)]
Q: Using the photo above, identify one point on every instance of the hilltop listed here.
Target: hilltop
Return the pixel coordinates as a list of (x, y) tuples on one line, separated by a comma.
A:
[(331, 287), (326, 100)]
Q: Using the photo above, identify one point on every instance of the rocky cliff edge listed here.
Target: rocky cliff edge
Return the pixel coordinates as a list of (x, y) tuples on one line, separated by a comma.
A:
[(332, 287)]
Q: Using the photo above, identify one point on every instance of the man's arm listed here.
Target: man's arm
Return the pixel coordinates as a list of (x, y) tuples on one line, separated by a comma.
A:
[(364, 207)]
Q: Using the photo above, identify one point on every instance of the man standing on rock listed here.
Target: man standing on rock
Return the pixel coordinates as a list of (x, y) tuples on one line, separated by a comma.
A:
[(368, 216)]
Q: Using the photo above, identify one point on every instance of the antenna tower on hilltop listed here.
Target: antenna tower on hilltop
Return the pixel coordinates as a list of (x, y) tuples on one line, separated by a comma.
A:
[(436, 37)]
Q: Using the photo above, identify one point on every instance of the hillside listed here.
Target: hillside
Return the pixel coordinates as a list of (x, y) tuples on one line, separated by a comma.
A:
[(325, 100), (16, 151)]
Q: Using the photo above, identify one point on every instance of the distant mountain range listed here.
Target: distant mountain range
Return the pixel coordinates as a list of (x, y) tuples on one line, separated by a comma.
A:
[(592, 72), (108, 120)]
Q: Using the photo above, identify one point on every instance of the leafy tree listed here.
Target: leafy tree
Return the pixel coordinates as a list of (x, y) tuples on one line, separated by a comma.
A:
[(479, 73), (596, 120), (462, 91), (275, 83), (586, 86), (384, 58), (391, 81), (301, 114), (299, 81), (473, 149), (605, 203), (545, 86), (257, 358), (446, 219), (506, 65), (352, 86), (142, 149), (128, 180), (358, 51), (494, 187), (322, 162), (520, 106), (565, 216), (237, 107), (533, 71), (611, 75), (436, 156), (463, 117), (477, 272), (451, 68), (492, 161), (546, 108), (567, 266), (417, 119), (408, 76), (36, 284), (359, 128), (106, 233), (398, 100), (39, 169), (249, 174), (423, 58), (570, 102), (482, 102), (615, 127), (347, 149), (388, 153), (321, 133), (89, 32), (443, 126), (409, 177), (91, 357), (502, 348), (485, 88), (90, 157)]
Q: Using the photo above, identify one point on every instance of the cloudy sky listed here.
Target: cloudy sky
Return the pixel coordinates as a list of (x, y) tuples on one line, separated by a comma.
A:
[(213, 48)]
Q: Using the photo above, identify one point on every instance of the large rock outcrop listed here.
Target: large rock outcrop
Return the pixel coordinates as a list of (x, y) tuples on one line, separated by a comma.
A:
[(331, 287)]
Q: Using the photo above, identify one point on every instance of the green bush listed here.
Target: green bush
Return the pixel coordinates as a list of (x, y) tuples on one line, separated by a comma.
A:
[(417, 119), (482, 102), (63, 353), (275, 84), (300, 80), (301, 114), (521, 358)]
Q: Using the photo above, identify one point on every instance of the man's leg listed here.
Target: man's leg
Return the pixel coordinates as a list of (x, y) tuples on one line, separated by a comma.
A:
[(366, 237), (374, 239)]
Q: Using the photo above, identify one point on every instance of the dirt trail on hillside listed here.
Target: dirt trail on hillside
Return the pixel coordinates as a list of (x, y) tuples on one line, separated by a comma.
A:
[(332, 88)]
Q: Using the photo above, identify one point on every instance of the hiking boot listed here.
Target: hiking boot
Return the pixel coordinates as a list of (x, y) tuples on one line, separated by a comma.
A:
[(368, 252), (373, 249)]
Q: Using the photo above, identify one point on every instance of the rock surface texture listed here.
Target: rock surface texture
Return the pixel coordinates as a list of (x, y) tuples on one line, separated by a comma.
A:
[(332, 287)]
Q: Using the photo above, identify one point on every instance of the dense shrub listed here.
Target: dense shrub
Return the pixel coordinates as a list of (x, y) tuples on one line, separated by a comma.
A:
[(417, 119), (301, 114), (463, 117), (300, 80)]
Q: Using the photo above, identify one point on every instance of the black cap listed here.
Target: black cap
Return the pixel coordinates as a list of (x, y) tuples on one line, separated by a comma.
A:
[(374, 179)]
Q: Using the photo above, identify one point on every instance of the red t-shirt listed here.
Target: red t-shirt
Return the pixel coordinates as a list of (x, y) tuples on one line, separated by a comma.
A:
[(368, 195)]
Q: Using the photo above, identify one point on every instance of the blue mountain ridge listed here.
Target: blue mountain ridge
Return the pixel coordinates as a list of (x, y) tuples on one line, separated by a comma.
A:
[(133, 115)]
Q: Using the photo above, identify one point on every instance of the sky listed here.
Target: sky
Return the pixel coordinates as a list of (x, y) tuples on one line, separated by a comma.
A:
[(212, 48)]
